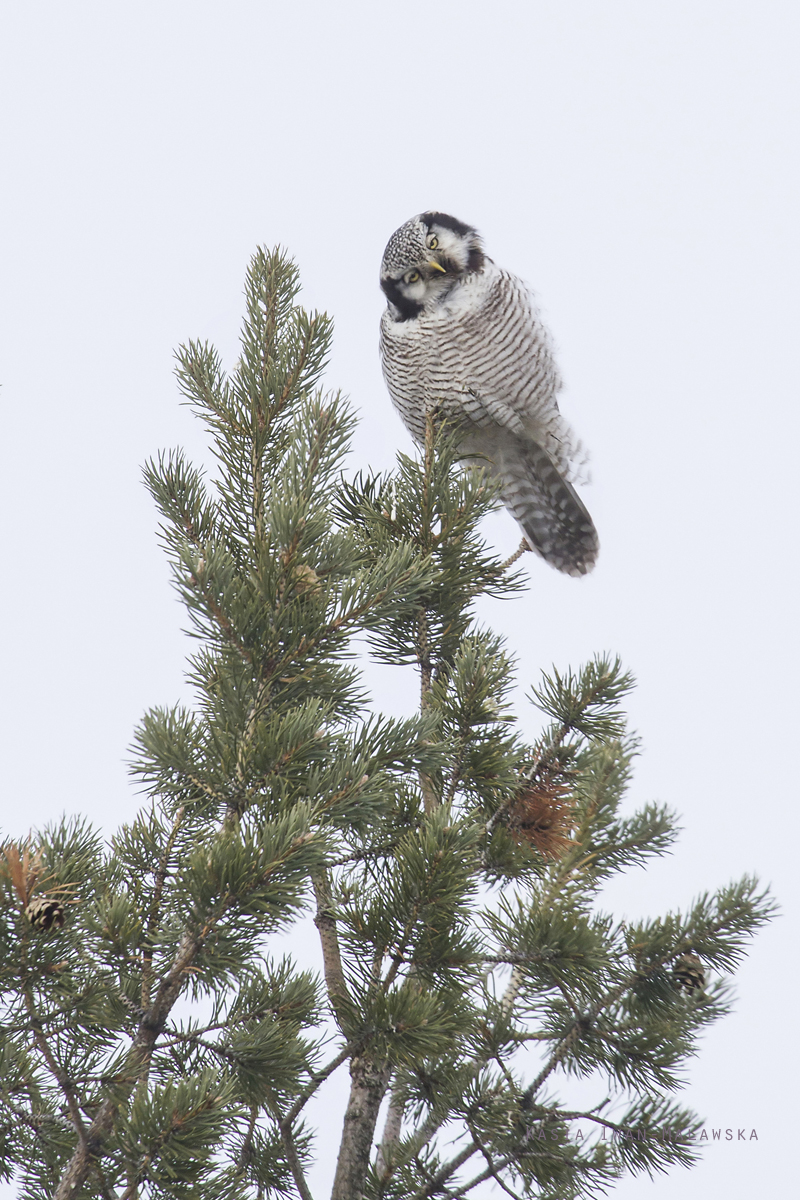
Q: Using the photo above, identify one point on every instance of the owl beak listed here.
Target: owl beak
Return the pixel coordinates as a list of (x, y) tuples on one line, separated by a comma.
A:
[(435, 266)]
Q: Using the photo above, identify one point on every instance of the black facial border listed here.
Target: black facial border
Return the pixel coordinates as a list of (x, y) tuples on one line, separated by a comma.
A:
[(408, 309)]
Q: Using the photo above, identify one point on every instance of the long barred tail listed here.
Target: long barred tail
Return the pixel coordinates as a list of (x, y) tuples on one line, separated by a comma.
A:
[(553, 517)]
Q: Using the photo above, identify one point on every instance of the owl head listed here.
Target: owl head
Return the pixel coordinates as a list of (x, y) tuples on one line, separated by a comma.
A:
[(424, 258)]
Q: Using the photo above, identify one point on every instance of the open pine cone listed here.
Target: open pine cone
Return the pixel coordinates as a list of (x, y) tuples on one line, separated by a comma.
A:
[(688, 974), (45, 912)]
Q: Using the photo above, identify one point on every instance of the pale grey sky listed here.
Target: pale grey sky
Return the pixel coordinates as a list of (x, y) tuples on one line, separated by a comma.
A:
[(637, 163)]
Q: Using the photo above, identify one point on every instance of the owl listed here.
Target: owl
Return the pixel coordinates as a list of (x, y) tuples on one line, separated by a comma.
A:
[(462, 338)]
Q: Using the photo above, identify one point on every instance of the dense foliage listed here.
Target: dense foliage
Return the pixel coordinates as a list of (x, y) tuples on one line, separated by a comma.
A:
[(154, 1045)]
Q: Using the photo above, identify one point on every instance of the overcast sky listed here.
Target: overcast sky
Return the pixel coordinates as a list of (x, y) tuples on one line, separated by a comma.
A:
[(636, 162)]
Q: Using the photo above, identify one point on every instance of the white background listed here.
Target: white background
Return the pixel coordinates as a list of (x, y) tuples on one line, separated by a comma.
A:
[(634, 161)]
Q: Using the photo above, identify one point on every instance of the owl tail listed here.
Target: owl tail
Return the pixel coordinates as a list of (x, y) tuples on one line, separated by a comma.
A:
[(552, 515)]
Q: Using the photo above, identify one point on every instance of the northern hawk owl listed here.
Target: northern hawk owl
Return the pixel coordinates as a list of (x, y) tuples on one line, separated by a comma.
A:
[(463, 338)]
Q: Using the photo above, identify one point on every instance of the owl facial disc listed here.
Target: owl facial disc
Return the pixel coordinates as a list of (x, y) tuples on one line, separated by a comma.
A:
[(424, 258)]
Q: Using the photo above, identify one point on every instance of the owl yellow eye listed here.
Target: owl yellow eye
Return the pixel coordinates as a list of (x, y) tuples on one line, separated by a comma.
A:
[(412, 276), (433, 242)]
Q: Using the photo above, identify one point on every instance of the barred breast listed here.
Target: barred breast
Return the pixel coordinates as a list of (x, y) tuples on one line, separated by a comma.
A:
[(484, 357)]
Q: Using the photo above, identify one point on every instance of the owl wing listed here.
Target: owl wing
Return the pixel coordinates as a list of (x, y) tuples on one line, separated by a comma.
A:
[(494, 348), (500, 355)]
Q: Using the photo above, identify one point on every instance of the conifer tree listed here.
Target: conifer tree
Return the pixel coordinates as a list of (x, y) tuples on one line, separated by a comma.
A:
[(154, 1044)]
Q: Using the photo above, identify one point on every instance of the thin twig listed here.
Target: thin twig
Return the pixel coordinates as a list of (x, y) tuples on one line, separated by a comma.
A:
[(518, 553), (61, 1079), (141, 1174), (588, 1116), (247, 1142), (320, 1076), (443, 1174), (492, 1167), (514, 960), (103, 1183), (364, 855), (35, 1122)]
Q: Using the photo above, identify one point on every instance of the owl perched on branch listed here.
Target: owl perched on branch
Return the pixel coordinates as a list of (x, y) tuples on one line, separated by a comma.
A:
[(462, 338)]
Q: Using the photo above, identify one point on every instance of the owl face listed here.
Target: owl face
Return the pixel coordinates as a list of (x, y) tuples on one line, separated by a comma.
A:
[(425, 258)]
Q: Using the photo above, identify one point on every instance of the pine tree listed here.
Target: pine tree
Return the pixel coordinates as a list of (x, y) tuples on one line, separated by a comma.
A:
[(154, 1045)]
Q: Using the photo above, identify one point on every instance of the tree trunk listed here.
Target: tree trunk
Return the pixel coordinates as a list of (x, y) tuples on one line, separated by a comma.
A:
[(369, 1083)]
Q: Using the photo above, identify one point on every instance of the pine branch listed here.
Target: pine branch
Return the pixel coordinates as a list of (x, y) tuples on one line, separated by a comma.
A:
[(436, 1184), (34, 1121), (137, 1062), (61, 1079), (319, 1077), (390, 1136), (493, 1171), (247, 1142), (138, 1058), (433, 1124), (580, 1026), (492, 1168), (338, 993), (293, 1159), (155, 908), (564, 1115)]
